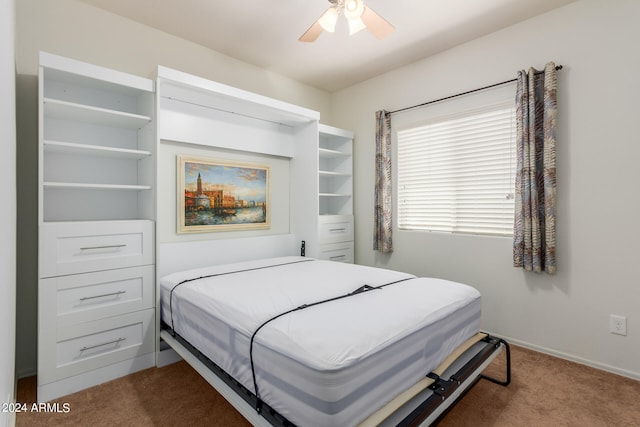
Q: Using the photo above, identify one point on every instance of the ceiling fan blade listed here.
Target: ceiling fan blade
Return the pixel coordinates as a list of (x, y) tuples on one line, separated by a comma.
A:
[(378, 26), (312, 33)]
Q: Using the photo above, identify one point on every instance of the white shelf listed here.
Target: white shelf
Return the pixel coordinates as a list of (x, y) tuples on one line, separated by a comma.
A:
[(330, 154), (85, 113), (335, 171), (89, 186), (333, 195), (94, 150), (93, 76), (333, 174)]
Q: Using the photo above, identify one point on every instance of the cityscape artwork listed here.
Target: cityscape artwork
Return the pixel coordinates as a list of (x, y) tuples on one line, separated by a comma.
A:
[(220, 196)]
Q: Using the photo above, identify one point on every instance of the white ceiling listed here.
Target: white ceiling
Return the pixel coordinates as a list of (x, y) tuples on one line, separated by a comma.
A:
[(265, 32)]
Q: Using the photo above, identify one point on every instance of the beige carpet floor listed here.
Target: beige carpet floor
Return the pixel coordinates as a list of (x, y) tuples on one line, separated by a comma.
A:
[(545, 391)]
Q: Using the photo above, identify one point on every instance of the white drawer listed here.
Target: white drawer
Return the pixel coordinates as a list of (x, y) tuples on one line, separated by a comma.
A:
[(340, 252), (81, 247), (75, 349), (91, 296), (335, 228)]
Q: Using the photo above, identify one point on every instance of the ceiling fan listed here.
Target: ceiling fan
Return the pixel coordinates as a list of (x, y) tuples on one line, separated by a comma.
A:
[(358, 16)]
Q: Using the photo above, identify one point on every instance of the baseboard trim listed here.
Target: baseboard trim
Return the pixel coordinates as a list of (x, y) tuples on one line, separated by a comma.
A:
[(570, 357), (69, 385), (26, 373)]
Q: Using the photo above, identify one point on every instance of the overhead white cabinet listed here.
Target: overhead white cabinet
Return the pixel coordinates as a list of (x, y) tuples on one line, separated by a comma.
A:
[(96, 225)]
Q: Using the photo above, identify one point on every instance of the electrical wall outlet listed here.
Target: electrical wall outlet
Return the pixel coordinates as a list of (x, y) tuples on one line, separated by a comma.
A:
[(618, 324)]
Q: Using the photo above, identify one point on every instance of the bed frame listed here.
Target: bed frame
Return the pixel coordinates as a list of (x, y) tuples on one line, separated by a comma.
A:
[(423, 404)]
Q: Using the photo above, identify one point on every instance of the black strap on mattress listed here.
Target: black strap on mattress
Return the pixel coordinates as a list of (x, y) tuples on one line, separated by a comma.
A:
[(361, 289), (173, 329)]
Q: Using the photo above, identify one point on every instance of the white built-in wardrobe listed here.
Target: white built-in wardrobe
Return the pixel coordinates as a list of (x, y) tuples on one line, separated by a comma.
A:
[(108, 143)]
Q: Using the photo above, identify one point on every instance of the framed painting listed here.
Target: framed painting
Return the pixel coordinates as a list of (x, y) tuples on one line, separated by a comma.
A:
[(216, 195)]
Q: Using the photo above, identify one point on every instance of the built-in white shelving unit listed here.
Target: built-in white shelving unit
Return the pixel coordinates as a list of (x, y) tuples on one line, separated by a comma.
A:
[(335, 194), (96, 230), (97, 133), (335, 170)]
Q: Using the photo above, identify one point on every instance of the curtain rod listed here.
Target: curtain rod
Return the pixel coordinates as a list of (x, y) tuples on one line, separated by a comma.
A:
[(558, 67)]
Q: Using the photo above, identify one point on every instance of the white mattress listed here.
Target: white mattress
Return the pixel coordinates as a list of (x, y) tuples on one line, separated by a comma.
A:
[(331, 364)]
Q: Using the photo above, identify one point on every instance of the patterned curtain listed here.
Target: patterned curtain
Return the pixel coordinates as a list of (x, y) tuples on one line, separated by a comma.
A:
[(534, 233), (383, 215)]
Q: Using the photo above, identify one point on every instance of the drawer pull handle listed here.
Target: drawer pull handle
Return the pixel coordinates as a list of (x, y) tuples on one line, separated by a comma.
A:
[(89, 248), (338, 230), (337, 257), (103, 295), (103, 344)]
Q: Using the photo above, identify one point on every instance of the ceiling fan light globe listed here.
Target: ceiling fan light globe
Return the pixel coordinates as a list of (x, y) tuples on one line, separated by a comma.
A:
[(353, 9), (328, 19)]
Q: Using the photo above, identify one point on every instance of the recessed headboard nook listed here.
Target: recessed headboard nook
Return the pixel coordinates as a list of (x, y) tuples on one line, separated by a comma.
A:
[(177, 256), (207, 119), (211, 120)]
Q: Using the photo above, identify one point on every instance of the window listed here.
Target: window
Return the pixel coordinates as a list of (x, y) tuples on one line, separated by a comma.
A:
[(456, 173)]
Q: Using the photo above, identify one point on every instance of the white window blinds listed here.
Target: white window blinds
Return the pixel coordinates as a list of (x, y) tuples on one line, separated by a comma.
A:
[(456, 174)]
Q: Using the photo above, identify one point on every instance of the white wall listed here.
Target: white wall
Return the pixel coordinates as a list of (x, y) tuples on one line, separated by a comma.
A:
[(83, 32), (598, 198), (7, 209)]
